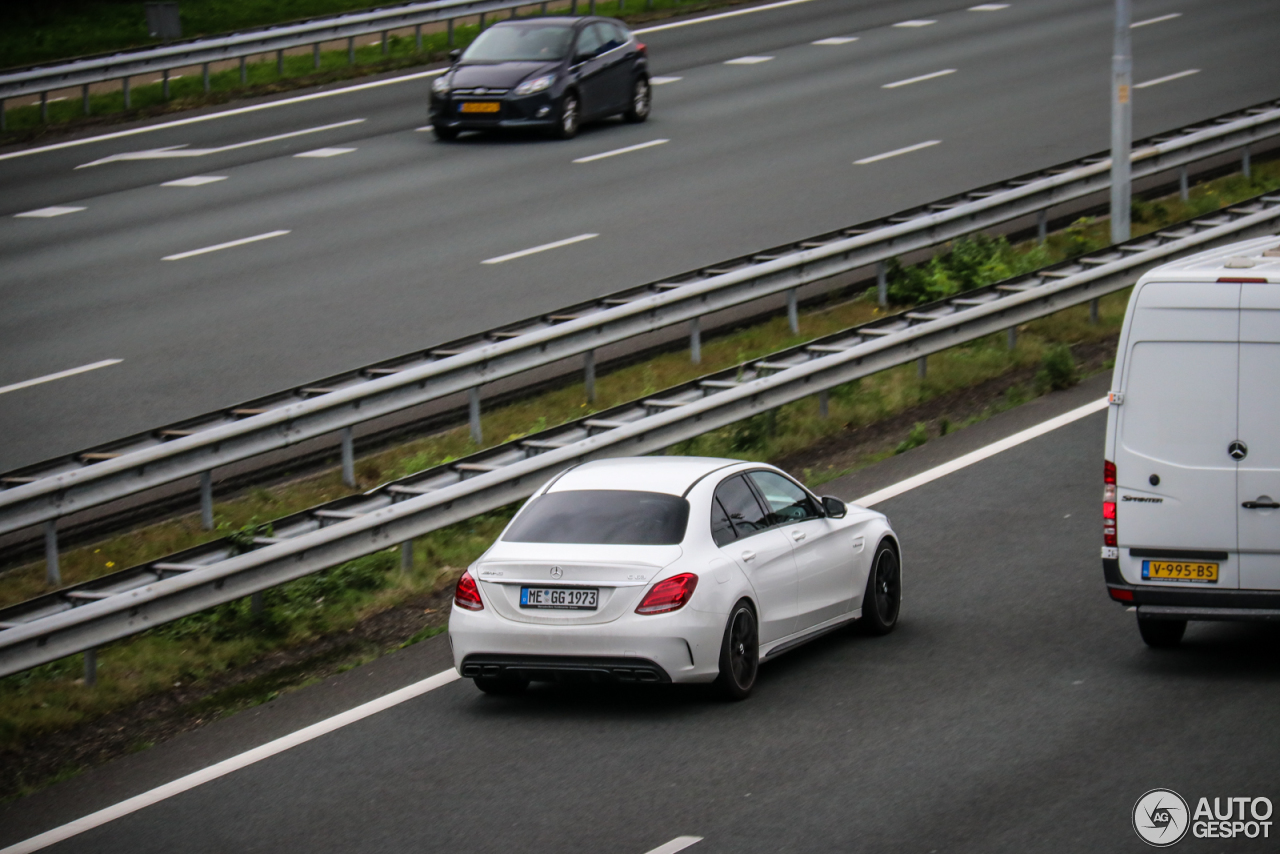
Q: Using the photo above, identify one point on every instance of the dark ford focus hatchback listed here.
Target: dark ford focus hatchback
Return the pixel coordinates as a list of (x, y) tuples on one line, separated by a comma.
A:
[(552, 73)]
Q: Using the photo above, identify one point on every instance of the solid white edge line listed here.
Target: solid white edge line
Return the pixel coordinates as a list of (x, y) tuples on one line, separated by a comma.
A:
[(70, 372), (678, 844), (875, 158), (943, 73), (980, 454), (229, 244), (271, 748), (533, 250), (359, 87), (235, 763), (1168, 17), (1166, 78), (601, 156), (766, 7)]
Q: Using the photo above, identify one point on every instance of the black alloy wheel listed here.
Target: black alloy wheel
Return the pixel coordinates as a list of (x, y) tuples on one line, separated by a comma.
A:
[(883, 598), (502, 686), (641, 101), (570, 116), (1161, 634), (739, 653), (444, 134)]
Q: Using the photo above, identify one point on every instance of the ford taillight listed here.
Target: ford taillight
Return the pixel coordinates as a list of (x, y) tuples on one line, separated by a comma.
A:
[(467, 595), (1109, 503), (669, 595)]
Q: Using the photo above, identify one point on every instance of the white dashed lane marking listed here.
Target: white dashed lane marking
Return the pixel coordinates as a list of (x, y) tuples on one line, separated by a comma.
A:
[(920, 23), (662, 81), (748, 60), (177, 151), (678, 844), (325, 152), (229, 244), (989, 7), (1167, 78), (501, 259), (1158, 20), (943, 73), (875, 158), (195, 181), (834, 40), (70, 372), (650, 144), (45, 213)]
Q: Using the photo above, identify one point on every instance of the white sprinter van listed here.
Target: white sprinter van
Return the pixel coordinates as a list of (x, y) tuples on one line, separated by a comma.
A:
[(1191, 504)]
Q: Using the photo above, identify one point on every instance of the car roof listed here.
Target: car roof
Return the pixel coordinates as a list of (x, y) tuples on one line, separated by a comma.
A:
[(672, 475), (1258, 258)]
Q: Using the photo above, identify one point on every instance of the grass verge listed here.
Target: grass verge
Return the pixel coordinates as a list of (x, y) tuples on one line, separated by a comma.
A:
[(206, 647)]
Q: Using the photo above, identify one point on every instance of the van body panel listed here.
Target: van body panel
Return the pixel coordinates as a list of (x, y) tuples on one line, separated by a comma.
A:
[(1258, 478)]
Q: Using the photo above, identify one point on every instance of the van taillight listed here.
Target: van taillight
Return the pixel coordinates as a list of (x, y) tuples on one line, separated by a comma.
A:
[(1109, 503)]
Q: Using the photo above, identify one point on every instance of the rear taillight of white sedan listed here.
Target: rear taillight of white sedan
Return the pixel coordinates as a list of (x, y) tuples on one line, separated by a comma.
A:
[(670, 594), (467, 595)]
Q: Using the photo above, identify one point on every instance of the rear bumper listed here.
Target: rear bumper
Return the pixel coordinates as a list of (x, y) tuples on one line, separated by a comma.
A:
[(552, 667), (1169, 603)]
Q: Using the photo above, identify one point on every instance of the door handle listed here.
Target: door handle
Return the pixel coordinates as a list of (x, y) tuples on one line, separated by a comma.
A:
[(797, 535), (748, 556), (1260, 505)]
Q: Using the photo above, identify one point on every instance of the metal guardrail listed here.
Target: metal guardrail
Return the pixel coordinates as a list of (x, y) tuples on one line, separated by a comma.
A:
[(124, 65), (134, 600), (44, 492)]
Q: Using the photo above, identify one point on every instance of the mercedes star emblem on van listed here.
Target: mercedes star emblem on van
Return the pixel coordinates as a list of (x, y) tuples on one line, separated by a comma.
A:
[(1238, 450)]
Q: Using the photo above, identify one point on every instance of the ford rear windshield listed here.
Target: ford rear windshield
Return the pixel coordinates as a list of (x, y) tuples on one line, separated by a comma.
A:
[(605, 517), (516, 43)]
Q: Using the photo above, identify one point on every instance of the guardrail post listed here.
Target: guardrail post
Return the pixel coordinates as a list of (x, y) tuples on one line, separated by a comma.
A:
[(90, 668), (406, 556), (922, 367), (256, 604), (124, 86), (793, 312), (1013, 337), (44, 107), (882, 284), (591, 7), (280, 63), (1093, 311), (417, 38), (2, 121), (514, 9), (1244, 163), (1183, 191), (544, 7), (164, 84), (1042, 226), (824, 403), (695, 341), (384, 42), (351, 50), (622, 6), (473, 412), (449, 33), (573, 7), (315, 55), (348, 457), (204, 73), (589, 374), (84, 96), (244, 72), (52, 572), (206, 500), (648, 4)]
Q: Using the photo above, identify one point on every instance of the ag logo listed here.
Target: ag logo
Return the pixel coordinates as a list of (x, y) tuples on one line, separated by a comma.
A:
[(556, 572), (1160, 817)]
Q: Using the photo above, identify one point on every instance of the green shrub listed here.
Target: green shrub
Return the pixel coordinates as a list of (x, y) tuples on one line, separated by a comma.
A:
[(1058, 369), (918, 436)]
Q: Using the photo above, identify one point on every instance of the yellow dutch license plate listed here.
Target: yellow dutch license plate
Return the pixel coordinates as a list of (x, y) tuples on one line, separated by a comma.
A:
[(1180, 570), (479, 107)]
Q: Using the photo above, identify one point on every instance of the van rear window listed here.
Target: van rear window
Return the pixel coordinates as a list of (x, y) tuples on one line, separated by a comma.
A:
[(606, 517), (1180, 401)]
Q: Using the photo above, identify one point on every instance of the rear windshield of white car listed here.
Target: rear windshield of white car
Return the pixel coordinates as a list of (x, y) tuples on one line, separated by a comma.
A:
[(529, 43), (606, 517)]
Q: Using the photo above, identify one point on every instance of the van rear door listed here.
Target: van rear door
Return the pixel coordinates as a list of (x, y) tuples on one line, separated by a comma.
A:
[(1258, 480), (1176, 483)]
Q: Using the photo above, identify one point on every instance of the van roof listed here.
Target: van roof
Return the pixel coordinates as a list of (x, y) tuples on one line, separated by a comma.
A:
[(1251, 259)]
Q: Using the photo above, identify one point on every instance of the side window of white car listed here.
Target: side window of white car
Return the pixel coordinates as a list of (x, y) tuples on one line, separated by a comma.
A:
[(740, 504), (721, 527), (788, 503)]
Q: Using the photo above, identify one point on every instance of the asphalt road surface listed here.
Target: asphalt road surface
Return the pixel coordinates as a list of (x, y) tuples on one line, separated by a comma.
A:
[(377, 248), (1014, 709)]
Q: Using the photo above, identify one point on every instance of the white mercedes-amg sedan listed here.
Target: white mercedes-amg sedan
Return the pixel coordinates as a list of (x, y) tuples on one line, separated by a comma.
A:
[(669, 569)]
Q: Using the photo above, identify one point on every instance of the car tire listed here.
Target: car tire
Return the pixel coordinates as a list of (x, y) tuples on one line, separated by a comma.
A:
[(882, 600), (501, 686), (570, 117), (641, 101), (444, 134), (739, 653), (1161, 634)]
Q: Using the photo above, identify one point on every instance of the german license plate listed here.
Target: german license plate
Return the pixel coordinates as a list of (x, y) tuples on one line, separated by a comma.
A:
[(561, 598), (479, 107), (1180, 570)]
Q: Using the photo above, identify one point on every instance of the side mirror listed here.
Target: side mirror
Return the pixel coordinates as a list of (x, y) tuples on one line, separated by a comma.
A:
[(834, 507), (454, 54)]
